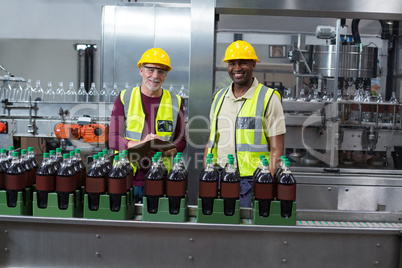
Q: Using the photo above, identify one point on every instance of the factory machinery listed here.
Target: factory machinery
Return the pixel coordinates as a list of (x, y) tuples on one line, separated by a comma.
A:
[(344, 147)]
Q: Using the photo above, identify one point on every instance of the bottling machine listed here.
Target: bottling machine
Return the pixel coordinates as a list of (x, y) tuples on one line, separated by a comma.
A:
[(343, 141)]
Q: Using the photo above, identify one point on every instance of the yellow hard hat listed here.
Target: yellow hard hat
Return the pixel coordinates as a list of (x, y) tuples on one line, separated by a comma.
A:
[(155, 55), (240, 50)]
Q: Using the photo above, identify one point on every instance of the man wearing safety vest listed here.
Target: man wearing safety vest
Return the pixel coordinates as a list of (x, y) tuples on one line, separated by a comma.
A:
[(148, 112), (246, 119)]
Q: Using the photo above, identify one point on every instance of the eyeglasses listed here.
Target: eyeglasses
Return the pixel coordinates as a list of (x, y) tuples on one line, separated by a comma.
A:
[(152, 70)]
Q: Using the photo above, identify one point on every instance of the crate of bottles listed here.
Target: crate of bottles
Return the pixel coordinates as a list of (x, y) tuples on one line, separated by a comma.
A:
[(23, 206), (73, 206), (163, 212), (103, 210), (275, 216), (218, 213)]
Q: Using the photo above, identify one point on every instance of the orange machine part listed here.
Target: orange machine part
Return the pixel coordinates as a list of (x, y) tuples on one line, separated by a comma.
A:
[(95, 133), (67, 131), (3, 127)]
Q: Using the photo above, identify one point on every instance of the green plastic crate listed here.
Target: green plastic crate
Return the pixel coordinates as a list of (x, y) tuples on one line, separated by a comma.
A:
[(74, 209), (163, 213), (218, 215), (126, 211), (22, 208), (274, 217)]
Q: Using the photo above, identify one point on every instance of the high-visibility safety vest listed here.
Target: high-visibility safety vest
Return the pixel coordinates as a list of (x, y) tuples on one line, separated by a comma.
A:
[(249, 134), (165, 121)]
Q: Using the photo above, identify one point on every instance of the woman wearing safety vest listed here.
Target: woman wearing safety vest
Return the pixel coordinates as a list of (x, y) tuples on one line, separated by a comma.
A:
[(246, 119), (148, 112)]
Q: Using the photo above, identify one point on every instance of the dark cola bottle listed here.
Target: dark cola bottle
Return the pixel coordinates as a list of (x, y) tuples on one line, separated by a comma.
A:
[(77, 169), (230, 188), (14, 181), (11, 149), (106, 159), (161, 164), (32, 160), (280, 167), (104, 166), (59, 156), (259, 168), (4, 159), (264, 189), (130, 178), (125, 170), (65, 182), (175, 187), (45, 181), (95, 183), (81, 164), (208, 187), (286, 190), (153, 189), (53, 160), (2, 175), (29, 172), (117, 184)]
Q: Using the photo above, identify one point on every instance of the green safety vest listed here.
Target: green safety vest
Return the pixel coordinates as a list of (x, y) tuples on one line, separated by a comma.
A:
[(165, 121), (249, 134)]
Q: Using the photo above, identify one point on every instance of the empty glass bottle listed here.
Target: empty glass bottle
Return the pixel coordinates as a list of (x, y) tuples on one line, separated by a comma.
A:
[(17, 92), (103, 94), (37, 92), (50, 95), (60, 93), (114, 93), (82, 94), (71, 94), (6, 90), (27, 91), (93, 95)]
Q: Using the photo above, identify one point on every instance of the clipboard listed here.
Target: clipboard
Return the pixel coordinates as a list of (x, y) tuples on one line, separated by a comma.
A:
[(141, 150)]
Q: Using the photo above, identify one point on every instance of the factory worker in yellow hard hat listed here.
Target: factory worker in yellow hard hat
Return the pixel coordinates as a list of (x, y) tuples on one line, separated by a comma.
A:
[(148, 112), (246, 119)]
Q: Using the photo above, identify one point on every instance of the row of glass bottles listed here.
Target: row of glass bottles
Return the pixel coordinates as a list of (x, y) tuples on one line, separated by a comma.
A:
[(60, 94)]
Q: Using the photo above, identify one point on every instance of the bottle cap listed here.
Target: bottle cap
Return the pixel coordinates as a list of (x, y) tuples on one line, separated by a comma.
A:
[(58, 150), (30, 149), (116, 158), (155, 159), (262, 157), (46, 155), (3, 151), (15, 154), (231, 161), (158, 153), (66, 156), (283, 157), (96, 157), (177, 160), (100, 154), (24, 151), (179, 154), (52, 152), (210, 154), (265, 162), (72, 153), (230, 155), (209, 160), (77, 151), (287, 163), (121, 155), (105, 151), (11, 148), (125, 152)]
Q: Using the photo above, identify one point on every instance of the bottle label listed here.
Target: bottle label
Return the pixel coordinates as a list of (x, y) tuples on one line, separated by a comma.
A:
[(208, 189), (45, 183), (175, 188), (153, 187), (117, 186), (31, 176), (130, 179), (264, 191), (2, 175), (230, 190), (95, 185), (14, 182), (65, 184), (286, 192)]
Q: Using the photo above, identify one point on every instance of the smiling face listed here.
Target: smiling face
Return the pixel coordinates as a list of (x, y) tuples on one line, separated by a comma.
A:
[(241, 71), (153, 76)]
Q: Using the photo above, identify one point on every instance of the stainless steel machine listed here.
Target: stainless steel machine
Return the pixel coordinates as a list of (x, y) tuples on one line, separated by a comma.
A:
[(344, 151)]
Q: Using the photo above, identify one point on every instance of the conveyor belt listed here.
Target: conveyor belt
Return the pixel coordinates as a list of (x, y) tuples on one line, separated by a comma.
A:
[(348, 224)]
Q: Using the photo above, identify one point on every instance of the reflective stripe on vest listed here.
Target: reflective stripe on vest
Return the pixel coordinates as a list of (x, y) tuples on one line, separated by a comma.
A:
[(250, 138)]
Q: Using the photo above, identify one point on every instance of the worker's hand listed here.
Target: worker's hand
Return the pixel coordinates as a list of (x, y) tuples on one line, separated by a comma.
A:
[(151, 136), (132, 143), (170, 152)]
